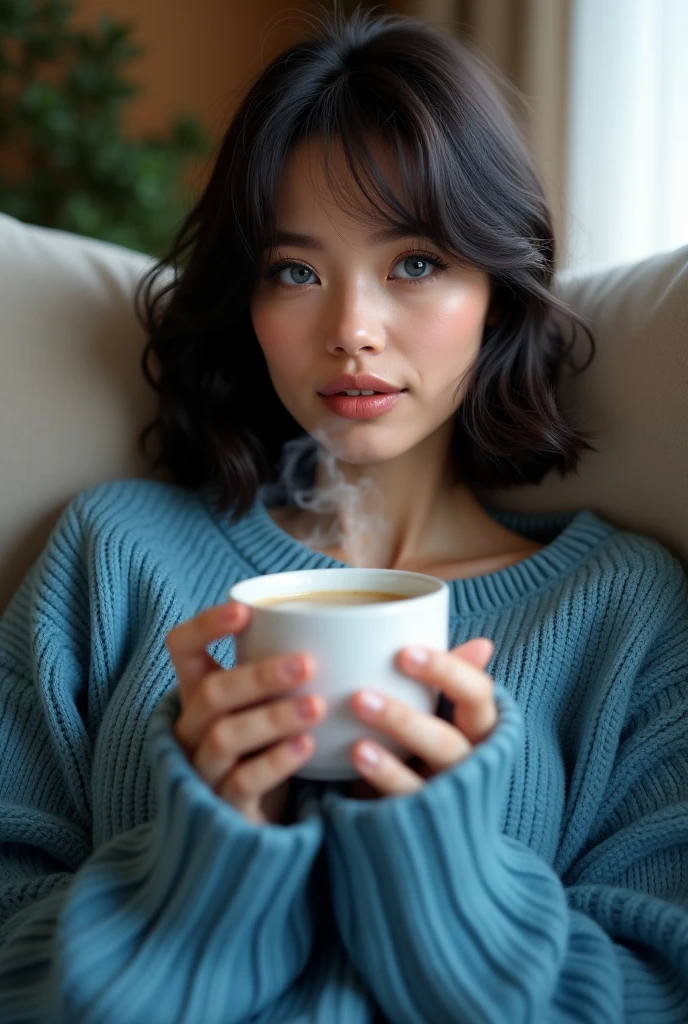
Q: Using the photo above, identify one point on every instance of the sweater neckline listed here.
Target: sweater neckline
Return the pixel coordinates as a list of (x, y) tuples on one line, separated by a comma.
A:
[(569, 537)]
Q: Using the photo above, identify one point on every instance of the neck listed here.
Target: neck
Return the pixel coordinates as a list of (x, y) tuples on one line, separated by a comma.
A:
[(397, 513)]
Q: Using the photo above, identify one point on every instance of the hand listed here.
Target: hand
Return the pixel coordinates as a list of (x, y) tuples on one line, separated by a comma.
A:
[(435, 743), (228, 715)]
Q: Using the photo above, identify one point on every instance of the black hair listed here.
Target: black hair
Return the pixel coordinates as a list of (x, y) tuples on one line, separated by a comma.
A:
[(469, 183)]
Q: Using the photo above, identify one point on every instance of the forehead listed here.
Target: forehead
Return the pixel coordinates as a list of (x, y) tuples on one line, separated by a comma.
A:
[(316, 186)]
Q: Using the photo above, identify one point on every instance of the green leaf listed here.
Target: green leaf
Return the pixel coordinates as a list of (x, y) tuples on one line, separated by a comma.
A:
[(38, 98), (189, 135), (15, 16), (80, 213), (41, 45), (57, 12)]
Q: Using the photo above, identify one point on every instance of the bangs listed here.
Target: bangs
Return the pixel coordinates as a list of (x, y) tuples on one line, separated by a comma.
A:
[(409, 143)]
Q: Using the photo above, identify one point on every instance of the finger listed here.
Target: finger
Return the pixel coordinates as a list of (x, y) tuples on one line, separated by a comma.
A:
[(187, 642), (435, 741), (254, 776), (477, 651), (387, 774), (232, 736), (471, 689), (225, 691)]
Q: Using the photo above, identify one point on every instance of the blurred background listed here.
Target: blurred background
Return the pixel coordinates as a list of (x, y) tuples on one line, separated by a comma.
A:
[(111, 110)]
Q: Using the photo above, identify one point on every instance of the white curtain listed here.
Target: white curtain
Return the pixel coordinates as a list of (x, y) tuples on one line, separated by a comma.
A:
[(528, 41), (627, 146)]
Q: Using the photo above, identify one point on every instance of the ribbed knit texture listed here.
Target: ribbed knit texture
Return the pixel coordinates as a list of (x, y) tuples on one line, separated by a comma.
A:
[(544, 879)]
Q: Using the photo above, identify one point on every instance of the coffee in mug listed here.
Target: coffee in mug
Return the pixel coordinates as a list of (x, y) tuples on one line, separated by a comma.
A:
[(317, 597)]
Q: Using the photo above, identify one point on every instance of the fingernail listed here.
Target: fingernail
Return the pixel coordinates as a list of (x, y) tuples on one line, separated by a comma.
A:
[(306, 708), (299, 744), (293, 667), (416, 655), (371, 701), (368, 754)]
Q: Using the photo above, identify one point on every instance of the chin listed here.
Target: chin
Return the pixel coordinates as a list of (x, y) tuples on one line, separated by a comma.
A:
[(359, 444), (365, 457)]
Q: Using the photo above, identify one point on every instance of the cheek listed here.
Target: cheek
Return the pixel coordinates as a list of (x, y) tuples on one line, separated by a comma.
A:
[(452, 332), (289, 360), (276, 334), (265, 325)]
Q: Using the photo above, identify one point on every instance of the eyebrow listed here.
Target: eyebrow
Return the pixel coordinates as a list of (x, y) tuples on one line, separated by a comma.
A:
[(388, 234)]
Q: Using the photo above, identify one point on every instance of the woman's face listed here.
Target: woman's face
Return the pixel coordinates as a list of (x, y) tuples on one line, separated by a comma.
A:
[(349, 304)]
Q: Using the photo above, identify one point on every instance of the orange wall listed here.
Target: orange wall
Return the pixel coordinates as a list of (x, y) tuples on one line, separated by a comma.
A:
[(201, 56)]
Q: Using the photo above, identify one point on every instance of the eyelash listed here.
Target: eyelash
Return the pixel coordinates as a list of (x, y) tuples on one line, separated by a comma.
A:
[(429, 257)]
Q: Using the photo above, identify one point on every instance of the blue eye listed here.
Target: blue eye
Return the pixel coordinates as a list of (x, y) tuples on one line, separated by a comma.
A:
[(277, 268), (415, 259), (411, 258)]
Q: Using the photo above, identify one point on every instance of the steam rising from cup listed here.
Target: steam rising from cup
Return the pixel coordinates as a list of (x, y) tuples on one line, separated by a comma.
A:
[(360, 505)]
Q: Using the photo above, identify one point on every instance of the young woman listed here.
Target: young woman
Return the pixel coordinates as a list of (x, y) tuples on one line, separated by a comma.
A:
[(373, 212)]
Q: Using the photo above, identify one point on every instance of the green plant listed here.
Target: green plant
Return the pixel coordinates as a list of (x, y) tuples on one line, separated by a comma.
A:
[(62, 91)]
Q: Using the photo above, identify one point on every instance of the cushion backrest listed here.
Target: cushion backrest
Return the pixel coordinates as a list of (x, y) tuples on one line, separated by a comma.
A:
[(73, 399)]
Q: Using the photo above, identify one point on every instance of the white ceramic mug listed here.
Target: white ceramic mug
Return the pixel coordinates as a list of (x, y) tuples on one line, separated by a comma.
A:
[(354, 646)]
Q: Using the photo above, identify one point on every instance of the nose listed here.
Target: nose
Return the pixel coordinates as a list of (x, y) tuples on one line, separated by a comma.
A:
[(353, 324)]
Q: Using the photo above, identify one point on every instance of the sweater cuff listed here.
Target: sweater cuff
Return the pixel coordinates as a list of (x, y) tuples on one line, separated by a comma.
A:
[(242, 892), (430, 908)]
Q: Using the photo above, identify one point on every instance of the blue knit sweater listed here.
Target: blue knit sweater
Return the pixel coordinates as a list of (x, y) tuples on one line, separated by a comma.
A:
[(544, 879)]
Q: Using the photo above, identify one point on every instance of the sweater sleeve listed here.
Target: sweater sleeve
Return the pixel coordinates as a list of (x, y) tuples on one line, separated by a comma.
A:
[(449, 919), (195, 915)]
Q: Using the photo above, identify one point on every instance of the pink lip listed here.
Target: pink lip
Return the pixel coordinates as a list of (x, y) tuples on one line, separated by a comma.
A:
[(361, 382), (361, 407)]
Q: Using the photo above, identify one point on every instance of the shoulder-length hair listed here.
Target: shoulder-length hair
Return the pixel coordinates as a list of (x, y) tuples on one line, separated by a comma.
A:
[(469, 183)]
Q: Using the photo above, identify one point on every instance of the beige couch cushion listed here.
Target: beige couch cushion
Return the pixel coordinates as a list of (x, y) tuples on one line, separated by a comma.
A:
[(73, 398), (634, 394)]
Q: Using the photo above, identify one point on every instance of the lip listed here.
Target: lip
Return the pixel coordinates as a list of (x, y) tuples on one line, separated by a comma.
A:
[(360, 382), (362, 407)]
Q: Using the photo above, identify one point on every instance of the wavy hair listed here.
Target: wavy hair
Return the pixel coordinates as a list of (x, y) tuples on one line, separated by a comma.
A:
[(469, 183)]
